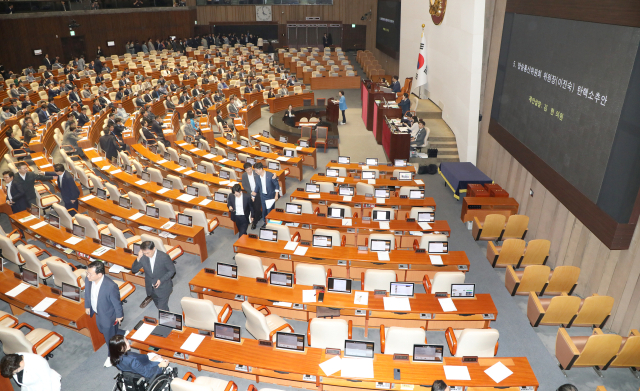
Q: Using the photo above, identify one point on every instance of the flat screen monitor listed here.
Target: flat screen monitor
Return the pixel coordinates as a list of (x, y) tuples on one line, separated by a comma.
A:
[(185, 220), (71, 292), (404, 289), (182, 161), (463, 290), (322, 241), (312, 188), (372, 161), (128, 169), (220, 197), (136, 249), (304, 143), (226, 332), (227, 270), (152, 211), (428, 353), (153, 149), (405, 176), (290, 341), (232, 156), (244, 142), (416, 194), (170, 319), (265, 133), (30, 277), (111, 43), (380, 245), (360, 349), (124, 202), (367, 174), (335, 213), (274, 166), (167, 156), (35, 210), (295, 209), (78, 231), (281, 279), (202, 146), (264, 149), (283, 139), (201, 168), (102, 194), (270, 235), (344, 159), (289, 152), (251, 161), (54, 221), (426, 217), (167, 183), (400, 163), (339, 285), (381, 193), (332, 172), (224, 174), (438, 248), (37, 52), (192, 191), (381, 215), (108, 241), (346, 190), (146, 177)]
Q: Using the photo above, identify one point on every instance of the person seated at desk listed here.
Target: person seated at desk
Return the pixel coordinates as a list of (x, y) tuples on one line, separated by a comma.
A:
[(71, 137), (120, 94), (139, 101), (74, 97), (110, 145), (207, 101), (118, 127), (184, 97), (395, 85), (405, 103), (218, 96), (96, 107), (439, 385), (54, 90), (289, 116), (283, 90), (43, 113), (222, 85), (419, 139), (408, 119), (233, 107), (258, 86), (103, 100), (198, 107), (292, 81), (52, 107), (247, 89), (28, 133), (127, 361), (26, 103), (191, 126), (82, 118), (86, 92)]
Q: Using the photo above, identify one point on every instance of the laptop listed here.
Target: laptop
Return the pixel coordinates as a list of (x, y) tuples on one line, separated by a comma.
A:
[(220, 197), (71, 292), (283, 139), (312, 188), (304, 143), (346, 190), (289, 152), (332, 172), (335, 213), (108, 241), (201, 168), (290, 341), (226, 332), (401, 289), (426, 217), (416, 194), (405, 176), (264, 149), (372, 161), (182, 162), (145, 176), (78, 231), (124, 202), (224, 174), (380, 245), (281, 279), (381, 215), (167, 183), (438, 248), (366, 174), (54, 221), (381, 193), (167, 322), (227, 270), (232, 156), (35, 210), (400, 163), (185, 220), (30, 277), (152, 211), (102, 194), (265, 133), (192, 191)]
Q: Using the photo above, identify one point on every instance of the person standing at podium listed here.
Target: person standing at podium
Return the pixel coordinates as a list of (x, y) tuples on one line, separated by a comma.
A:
[(289, 117), (343, 107)]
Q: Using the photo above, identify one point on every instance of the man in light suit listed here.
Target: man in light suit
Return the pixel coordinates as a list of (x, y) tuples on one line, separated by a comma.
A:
[(419, 139), (15, 193), (240, 206), (68, 188), (158, 271), (250, 183), (102, 298), (268, 188)]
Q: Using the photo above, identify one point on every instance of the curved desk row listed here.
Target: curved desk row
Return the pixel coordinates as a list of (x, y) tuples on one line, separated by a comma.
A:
[(377, 183), (384, 169), (308, 154)]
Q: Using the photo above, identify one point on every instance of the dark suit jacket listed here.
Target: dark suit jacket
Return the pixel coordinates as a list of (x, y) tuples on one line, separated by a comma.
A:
[(74, 97), (69, 191), (289, 119), (109, 305), (109, 144), (245, 182), (140, 364), (395, 86), (43, 116), (53, 108), (140, 102), (247, 206), (405, 105), (18, 197), (163, 270), (272, 186), (28, 183)]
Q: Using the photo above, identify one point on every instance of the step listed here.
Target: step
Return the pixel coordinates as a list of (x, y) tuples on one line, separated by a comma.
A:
[(429, 114), (442, 138)]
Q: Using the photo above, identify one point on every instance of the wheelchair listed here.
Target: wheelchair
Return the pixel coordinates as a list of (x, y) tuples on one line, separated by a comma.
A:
[(129, 381)]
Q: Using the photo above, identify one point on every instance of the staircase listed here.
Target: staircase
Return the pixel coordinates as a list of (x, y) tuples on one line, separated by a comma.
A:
[(440, 137)]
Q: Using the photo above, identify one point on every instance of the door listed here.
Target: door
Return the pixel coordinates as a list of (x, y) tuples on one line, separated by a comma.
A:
[(73, 47)]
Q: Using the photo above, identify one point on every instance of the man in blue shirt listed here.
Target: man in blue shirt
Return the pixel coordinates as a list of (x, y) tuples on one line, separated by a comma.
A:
[(343, 107)]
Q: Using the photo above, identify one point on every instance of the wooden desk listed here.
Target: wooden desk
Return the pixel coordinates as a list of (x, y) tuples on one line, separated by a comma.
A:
[(396, 145), (480, 207), (223, 290), (349, 262), (308, 154), (251, 114), (369, 93), (383, 169), (334, 83), (190, 239), (380, 111), (279, 104), (380, 182)]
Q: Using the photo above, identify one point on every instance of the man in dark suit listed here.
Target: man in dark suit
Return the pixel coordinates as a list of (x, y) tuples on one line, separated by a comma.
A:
[(405, 103), (46, 62), (240, 207), (250, 183), (68, 188), (158, 271), (43, 114), (15, 193), (27, 179), (74, 96), (395, 85), (198, 107), (52, 107), (110, 145), (289, 117), (102, 298), (268, 188)]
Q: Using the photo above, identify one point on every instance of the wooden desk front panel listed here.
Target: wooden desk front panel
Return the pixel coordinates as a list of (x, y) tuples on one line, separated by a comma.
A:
[(480, 207), (252, 114), (279, 104), (383, 169)]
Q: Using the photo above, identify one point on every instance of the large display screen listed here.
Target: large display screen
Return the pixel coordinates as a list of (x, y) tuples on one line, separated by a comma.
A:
[(388, 27)]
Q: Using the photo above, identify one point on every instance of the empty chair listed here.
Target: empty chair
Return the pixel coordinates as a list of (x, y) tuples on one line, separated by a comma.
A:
[(166, 209), (534, 278), (34, 264), (154, 175), (400, 340), (594, 312), (202, 314), (36, 341), (114, 192), (563, 280), (306, 274), (442, 281), (252, 267), (597, 351), (176, 181), (342, 171), (326, 187), (203, 189), (516, 227), (173, 154), (67, 273), (536, 253), (322, 133), (307, 206), (10, 252), (347, 210), (406, 190), (472, 342), (137, 202), (188, 159), (559, 310), (202, 383), (262, 326), (509, 254), (374, 279), (121, 240), (389, 237), (200, 219), (336, 240), (232, 173), (283, 232), (173, 252), (328, 333), (92, 229), (65, 218), (8, 320), (364, 189), (490, 229), (629, 354), (428, 238)]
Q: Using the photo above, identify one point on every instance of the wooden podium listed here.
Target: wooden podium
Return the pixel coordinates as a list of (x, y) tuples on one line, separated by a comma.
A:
[(333, 110)]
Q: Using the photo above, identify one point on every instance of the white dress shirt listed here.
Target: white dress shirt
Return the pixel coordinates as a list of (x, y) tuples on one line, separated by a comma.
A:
[(95, 289), (152, 259), (252, 182), (239, 206), (263, 179), (9, 191)]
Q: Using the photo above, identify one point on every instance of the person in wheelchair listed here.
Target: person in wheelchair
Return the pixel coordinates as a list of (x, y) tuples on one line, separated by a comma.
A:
[(127, 361)]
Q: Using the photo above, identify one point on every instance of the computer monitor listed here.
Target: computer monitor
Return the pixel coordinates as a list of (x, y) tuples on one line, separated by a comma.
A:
[(281, 279), (372, 161), (381, 215), (428, 353), (312, 188), (227, 270), (339, 285), (224, 174), (295, 209), (265, 133), (303, 143), (146, 176), (264, 149), (102, 194), (185, 220), (128, 169), (220, 197), (251, 161), (438, 248), (344, 159), (323, 241), (283, 139), (153, 149), (167, 183), (226, 332), (332, 172), (182, 161), (346, 190), (400, 163), (403, 289), (124, 202), (405, 176), (270, 235), (232, 156), (108, 241), (152, 211), (463, 290), (167, 156), (136, 249), (416, 194), (335, 213), (78, 231), (360, 349), (426, 217), (380, 245), (382, 193), (367, 174), (71, 292), (228, 136), (290, 341), (170, 319), (289, 152), (274, 166), (30, 277), (201, 168), (54, 221), (244, 142), (35, 210), (192, 191), (202, 146), (188, 139)]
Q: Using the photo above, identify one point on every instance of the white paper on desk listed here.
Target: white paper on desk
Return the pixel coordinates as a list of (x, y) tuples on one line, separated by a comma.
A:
[(347, 222), (282, 158), (416, 233), (96, 159), (339, 180), (204, 202), (357, 367), (39, 225), (371, 181), (300, 250), (143, 332), (192, 343), (269, 203), (447, 305), (498, 372), (47, 166), (87, 198), (106, 168), (28, 218), (313, 196), (41, 313), (161, 161), (365, 167), (380, 201), (396, 304), (298, 148), (136, 216), (189, 172), (224, 183), (100, 251), (347, 198), (152, 356), (291, 246), (383, 256), (456, 372), (361, 298), (186, 197), (436, 259), (309, 296), (168, 225), (141, 182), (73, 240), (223, 160), (419, 181), (17, 290), (163, 190), (44, 304), (209, 156), (283, 304), (114, 172), (384, 224), (180, 168), (331, 366), (115, 269), (229, 142), (38, 158), (424, 226), (240, 148)]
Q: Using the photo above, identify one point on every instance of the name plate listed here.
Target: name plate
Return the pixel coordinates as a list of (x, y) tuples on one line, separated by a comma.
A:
[(384, 386), (332, 351), (402, 357), (309, 378), (426, 316), (263, 342), (469, 359), (261, 280), (488, 316), (379, 292), (463, 267)]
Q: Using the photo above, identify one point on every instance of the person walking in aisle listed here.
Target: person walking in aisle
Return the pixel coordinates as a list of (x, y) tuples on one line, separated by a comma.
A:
[(343, 107), (158, 272), (249, 183)]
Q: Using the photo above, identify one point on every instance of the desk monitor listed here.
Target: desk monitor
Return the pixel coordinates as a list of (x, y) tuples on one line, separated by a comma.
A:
[(30, 277), (227, 270), (372, 161), (152, 211), (244, 142), (295, 209), (224, 174), (366, 174), (264, 149), (128, 169), (71, 292), (167, 183), (304, 143), (381, 193), (35, 210), (405, 176), (78, 231), (289, 152), (102, 194), (37, 52), (400, 163), (226, 332), (167, 156), (361, 349), (146, 177), (426, 217), (201, 168), (111, 43), (381, 215), (463, 290), (332, 172), (170, 319), (136, 249), (274, 166), (202, 146), (428, 353), (281, 279), (265, 133), (335, 213), (438, 248), (344, 159), (153, 148), (108, 241), (54, 221), (232, 156), (380, 245), (339, 285), (192, 191), (270, 235), (322, 241), (283, 139), (188, 139), (251, 161), (403, 289), (185, 220), (228, 136), (290, 341), (346, 190), (312, 188), (220, 197), (182, 162), (124, 202), (416, 194)]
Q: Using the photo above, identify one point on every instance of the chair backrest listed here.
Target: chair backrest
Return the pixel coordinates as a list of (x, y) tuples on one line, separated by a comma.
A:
[(561, 309), (256, 322), (14, 341), (334, 233), (9, 251), (116, 232), (401, 339), (31, 260), (199, 218), (91, 229), (427, 238), (62, 273), (534, 278), (516, 227), (65, 218), (347, 209), (477, 342), (203, 190), (154, 174), (379, 279), (307, 206), (629, 355), (364, 188), (283, 231), (406, 190), (328, 333), (199, 313), (493, 226), (563, 279), (598, 350), (137, 202), (510, 253), (156, 241), (307, 274), (390, 237), (594, 310), (188, 159), (166, 209), (536, 253), (249, 266), (232, 173), (114, 193), (442, 281), (177, 182)]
